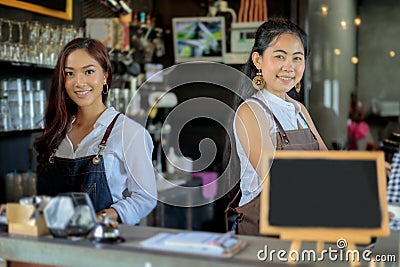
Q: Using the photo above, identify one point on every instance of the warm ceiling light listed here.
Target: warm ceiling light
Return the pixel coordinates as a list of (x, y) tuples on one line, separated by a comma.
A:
[(343, 24), (357, 21), (324, 10), (392, 54), (354, 60), (337, 51)]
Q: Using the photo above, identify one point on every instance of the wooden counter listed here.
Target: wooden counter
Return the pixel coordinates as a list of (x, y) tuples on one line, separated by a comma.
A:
[(62, 252)]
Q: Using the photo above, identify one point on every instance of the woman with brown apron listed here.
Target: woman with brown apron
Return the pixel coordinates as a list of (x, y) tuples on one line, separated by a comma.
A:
[(87, 147), (269, 118)]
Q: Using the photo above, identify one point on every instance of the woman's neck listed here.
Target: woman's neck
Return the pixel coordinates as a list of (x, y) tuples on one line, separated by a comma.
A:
[(279, 94), (85, 118)]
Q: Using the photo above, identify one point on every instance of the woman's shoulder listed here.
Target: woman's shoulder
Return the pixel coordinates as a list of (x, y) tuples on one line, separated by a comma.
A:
[(249, 106), (123, 122), (303, 108), (254, 100), (297, 105), (131, 125)]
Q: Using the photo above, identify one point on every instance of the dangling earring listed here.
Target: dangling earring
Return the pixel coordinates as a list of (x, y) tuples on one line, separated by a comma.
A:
[(107, 89), (258, 81), (298, 87)]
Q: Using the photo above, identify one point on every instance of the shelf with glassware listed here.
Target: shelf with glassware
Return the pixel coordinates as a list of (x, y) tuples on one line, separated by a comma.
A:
[(34, 42), (22, 104)]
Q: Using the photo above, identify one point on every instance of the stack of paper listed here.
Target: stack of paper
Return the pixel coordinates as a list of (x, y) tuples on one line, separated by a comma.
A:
[(195, 243)]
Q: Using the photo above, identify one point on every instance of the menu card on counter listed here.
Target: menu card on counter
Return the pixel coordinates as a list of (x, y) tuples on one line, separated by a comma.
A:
[(205, 243)]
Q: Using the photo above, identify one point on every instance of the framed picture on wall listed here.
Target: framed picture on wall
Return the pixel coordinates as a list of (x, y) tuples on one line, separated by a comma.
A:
[(61, 9)]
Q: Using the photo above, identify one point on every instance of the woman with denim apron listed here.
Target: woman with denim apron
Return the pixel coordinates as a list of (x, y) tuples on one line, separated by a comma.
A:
[(87, 147), (269, 118), (85, 174)]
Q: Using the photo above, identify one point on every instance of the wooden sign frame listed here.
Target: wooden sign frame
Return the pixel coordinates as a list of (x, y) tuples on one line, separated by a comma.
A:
[(65, 14), (324, 234)]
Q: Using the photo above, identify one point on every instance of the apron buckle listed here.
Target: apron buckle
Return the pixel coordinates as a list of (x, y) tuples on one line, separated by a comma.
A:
[(96, 160), (51, 158)]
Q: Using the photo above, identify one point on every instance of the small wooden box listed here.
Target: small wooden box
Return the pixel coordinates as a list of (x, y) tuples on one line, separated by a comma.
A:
[(20, 222)]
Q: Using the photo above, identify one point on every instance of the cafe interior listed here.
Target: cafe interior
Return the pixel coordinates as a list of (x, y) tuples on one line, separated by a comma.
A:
[(349, 89)]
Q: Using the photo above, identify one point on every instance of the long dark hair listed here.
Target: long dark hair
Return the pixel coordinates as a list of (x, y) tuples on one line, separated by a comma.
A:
[(266, 34), (61, 108)]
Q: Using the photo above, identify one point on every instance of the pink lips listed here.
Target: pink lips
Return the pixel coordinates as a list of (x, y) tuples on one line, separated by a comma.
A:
[(285, 79), (82, 93)]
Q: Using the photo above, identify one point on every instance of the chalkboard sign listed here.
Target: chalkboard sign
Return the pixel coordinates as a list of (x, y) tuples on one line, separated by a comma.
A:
[(60, 9), (330, 194)]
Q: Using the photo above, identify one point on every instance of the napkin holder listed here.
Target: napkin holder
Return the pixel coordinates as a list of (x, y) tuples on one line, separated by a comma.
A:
[(21, 221)]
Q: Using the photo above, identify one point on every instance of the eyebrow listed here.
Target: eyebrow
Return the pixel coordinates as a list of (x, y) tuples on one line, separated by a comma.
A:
[(84, 67), (283, 51)]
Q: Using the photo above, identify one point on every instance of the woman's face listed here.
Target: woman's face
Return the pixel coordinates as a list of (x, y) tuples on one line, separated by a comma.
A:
[(84, 79), (282, 64)]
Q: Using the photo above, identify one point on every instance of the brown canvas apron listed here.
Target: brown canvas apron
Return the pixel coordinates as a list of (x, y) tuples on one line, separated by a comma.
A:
[(248, 215)]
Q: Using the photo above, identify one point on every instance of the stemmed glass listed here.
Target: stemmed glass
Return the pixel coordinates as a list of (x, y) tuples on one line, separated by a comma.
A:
[(8, 47), (19, 47), (33, 40), (45, 38)]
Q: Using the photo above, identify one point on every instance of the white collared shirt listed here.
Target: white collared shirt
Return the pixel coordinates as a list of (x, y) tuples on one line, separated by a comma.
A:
[(127, 163), (287, 112)]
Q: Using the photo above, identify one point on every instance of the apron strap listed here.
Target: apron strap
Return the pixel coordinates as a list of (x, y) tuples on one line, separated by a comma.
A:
[(108, 131), (101, 146), (280, 128), (96, 160), (301, 115)]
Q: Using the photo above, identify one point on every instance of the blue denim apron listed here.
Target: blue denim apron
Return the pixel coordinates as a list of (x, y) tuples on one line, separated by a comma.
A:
[(85, 174)]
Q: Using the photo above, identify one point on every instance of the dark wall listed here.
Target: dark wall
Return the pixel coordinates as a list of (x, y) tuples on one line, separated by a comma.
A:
[(167, 9), (164, 11)]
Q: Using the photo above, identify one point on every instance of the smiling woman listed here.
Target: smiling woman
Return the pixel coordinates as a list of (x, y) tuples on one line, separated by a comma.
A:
[(61, 9), (267, 118), (82, 148)]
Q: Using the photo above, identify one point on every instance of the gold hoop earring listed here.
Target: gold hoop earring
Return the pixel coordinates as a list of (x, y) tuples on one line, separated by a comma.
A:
[(107, 89), (298, 87), (258, 81)]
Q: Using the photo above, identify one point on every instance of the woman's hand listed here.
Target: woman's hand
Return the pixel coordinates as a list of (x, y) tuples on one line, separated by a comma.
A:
[(110, 213), (2, 209)]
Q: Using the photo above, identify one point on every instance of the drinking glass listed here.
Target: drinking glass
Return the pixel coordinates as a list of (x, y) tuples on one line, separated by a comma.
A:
[(4, 113), (40, 106), (29, 106), (4, 109), (16, 102)]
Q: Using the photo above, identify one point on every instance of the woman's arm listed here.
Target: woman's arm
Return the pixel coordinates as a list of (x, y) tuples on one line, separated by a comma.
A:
[(310, 122), (140, 196), (252, 129)]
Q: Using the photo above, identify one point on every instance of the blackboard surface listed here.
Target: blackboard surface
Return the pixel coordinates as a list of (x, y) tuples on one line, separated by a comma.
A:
[(54, 4), (324, 193)]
